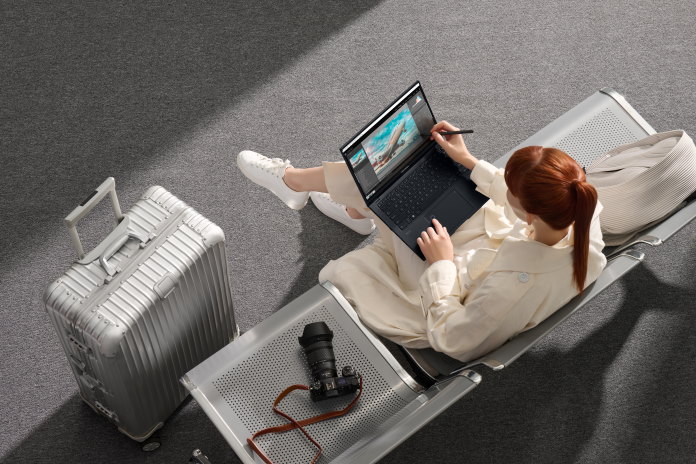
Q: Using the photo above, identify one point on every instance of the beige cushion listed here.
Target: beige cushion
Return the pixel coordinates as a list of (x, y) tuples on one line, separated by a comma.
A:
[(643, 182)]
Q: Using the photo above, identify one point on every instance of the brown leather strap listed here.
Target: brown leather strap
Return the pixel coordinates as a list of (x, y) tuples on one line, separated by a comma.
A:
[(298, 424)]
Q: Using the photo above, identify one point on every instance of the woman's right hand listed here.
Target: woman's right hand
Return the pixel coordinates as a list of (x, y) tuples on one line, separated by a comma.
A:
[(453, 145)]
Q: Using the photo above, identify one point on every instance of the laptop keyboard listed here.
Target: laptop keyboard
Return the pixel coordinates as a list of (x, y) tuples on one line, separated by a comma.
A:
[(422, 186)]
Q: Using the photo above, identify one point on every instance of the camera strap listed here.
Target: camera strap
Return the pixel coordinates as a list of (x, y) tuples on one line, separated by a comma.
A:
[(299, 424)]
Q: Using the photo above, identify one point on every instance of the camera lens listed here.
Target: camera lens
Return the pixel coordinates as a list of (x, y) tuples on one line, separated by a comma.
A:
[(316, 341)]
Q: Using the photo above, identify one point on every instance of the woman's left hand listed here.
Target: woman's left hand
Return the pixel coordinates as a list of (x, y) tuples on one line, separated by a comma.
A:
[(435, 243)]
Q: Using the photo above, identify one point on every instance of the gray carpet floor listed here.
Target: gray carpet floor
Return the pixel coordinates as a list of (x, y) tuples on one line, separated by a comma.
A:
[(169, 93)]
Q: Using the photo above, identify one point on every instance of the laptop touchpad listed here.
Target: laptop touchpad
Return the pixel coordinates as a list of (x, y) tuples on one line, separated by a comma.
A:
[(451, 210)]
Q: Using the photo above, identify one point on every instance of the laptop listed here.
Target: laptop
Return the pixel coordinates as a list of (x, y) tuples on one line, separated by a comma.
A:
[(405, 178)]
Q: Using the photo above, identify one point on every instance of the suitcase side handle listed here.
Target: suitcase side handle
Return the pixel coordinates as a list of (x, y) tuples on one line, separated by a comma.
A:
[(111, 244), (87, 205)]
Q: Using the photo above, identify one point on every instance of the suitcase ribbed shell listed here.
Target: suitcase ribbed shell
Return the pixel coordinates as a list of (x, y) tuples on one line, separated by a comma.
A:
[(130, 337)]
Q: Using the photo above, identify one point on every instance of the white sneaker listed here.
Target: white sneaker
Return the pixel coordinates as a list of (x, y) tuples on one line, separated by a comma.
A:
[(336, 211), (268, 173)]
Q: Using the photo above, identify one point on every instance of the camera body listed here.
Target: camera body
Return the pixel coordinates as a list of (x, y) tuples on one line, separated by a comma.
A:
[(326, 383), (331, 387)]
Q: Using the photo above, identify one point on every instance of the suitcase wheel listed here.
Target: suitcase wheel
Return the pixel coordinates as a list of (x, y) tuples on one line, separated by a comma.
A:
[(199, 458), (151, 444)]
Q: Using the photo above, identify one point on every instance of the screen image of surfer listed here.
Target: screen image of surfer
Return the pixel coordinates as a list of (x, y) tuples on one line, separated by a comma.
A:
[(391, 142)]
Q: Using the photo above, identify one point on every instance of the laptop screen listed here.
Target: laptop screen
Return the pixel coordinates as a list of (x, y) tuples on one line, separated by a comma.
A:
[(377, 152)]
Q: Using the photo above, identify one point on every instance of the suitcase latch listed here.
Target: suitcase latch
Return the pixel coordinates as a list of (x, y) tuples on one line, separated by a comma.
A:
[(89, 381), (107, 412), (79, 345), (79, 364)]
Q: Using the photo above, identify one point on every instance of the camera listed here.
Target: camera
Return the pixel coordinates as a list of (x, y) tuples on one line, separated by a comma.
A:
[(316, 341)]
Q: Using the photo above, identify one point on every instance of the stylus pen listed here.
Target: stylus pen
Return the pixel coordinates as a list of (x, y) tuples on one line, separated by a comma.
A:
[(463, 131)]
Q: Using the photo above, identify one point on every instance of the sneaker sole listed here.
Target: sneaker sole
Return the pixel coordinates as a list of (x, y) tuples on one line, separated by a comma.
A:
[(340, 220)]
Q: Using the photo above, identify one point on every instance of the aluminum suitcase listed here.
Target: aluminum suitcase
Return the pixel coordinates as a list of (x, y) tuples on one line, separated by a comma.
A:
[(148, 304)]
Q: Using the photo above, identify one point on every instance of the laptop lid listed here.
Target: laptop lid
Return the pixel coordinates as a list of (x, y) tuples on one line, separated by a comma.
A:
[(390, 143)]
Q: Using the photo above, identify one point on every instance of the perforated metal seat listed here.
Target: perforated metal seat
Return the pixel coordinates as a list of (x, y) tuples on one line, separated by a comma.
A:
[(237, 386)]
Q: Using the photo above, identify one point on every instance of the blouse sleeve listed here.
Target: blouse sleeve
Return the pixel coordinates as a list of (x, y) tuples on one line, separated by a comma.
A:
[(490, 181), (457, 322)]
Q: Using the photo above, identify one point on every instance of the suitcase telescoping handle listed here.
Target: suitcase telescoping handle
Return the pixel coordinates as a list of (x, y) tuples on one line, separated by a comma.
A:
[(116, 239)]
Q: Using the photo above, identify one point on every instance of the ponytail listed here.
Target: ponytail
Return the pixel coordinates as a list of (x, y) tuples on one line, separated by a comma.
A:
[(552, 185), (585, 202)]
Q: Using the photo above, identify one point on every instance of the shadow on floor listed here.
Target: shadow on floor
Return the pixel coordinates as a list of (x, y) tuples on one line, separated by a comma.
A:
[(75, 433), (549, 405), (95, 90), (321, 240)]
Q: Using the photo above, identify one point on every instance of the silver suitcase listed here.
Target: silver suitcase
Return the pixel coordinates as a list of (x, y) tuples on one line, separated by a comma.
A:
[(144, 307)]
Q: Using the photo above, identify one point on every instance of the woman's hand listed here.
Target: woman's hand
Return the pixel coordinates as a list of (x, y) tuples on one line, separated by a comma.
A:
[(435, 243), (453, 145)]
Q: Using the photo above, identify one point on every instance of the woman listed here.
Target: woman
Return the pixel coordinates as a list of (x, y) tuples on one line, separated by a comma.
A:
[(525, 253)]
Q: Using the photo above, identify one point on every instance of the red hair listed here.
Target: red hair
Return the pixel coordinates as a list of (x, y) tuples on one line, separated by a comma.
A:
[(552, 185)]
